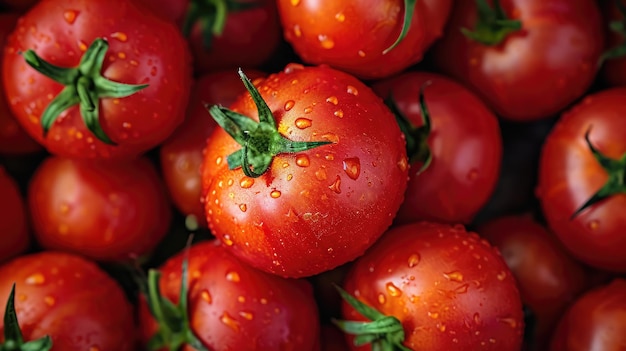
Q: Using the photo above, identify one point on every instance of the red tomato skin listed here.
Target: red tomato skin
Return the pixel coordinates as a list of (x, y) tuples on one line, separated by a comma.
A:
[(595, 321), (233, 306), (143, 50), (569, 175), (294, 220), (549, 279), (450, 289), (465, 142), (533, 73), (351, 36), (104, 211), (70, 299), (14, 231), (613, 70), (181, 154), (13, 139)]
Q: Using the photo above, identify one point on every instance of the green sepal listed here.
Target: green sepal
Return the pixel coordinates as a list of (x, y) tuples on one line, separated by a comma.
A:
[(13, 339), (409, 9), (618, 27), (492, 26)]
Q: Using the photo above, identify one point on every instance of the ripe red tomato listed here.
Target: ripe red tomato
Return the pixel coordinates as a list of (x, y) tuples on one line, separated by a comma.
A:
[(128, 92), (13, 139), (440, 287), (293, 210), (463, 147), (355, 36), (181, 154), (70, 299), (549, 279), (15, 236), (614, 65), (231, 306), (527, 73), (594, 322), (574, 171), (104, 211)]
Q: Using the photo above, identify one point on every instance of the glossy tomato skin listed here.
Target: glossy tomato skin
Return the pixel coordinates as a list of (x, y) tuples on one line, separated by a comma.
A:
[(352, 35), (569, 175), (450, 289), (181, 154), (534, 73), (465, 143), (300, 217), (549, 279), (13, 139), (595, 321), (613, 70), (14, 231), (233, 306), (70, 299), (105, 211), (143, 49)]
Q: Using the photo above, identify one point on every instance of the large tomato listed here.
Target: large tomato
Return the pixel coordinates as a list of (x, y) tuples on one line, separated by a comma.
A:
[(110, 80), (69, 299), (455, 147), (312, 185), (528, 59), (225, 305), (361, 37), (433, 287), (581, 179), (104, 211), (14, 233), (181, 154)]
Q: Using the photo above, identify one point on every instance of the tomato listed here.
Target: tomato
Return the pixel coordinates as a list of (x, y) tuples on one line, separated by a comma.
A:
[(327, 155), (455, 150), (614, 64), (13, 139), (434, 287), (549, 279), (104, 211), (122, 82), (181, 154), (581, 179), (594, 322), (361, 37), (227, 305), (529, 61), (69, 299), (13, 221)]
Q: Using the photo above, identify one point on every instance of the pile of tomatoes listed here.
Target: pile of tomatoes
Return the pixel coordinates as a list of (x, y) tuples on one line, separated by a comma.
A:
[(271, 175)]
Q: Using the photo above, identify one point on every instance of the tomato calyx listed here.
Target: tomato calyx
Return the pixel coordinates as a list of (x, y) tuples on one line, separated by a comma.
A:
[(616, 170), (261, 140), (492, 26), (618, 27), (212, 14), (13, 339), (84, 85), (416, 138), (409, 9), (384, 333)]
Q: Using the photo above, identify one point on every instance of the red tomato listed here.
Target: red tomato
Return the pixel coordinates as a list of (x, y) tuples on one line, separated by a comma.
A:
[(181, 154), (530, 73), (594, 322), (445, 288), (130, 102), (231, 306), (104, 211), (70, 299), (571, 174), (294, 211), (549, 279), (463, 143), (15, 237), (355, 36), (13, 139), (614, 66)]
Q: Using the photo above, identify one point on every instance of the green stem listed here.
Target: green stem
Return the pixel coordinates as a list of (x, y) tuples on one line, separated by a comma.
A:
[(619, 27), (493, 25), (13, 339), (409, 10)]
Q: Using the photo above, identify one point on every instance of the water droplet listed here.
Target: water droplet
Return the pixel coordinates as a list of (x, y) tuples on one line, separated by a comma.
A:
[(320, 174), (336, 185), (263, 301), (330, 250), (414, 260), (472, 175), (232, 277), (325, 41), (291, 67), (331, 137), (218, 160), (454, 276), (246, 182), (246, 315), (501, 276), (206, 296), (308, 109), (433, 315), (82, 45), (340, 17), (303, 123), (303, 160), (275, 194), (338, 113), (332, 99), (289, 105), (94, 348), (49, 300), (121, 55), (403, 164), (593, 225), (352, 167), (508, 321), (70, 16), (229, 321), (295, 2), (381, 299), (442, 327), (64, 208), (126, 125), (243, 207), (477, 319), (297, 31), (120, 36), (352, 90), (462, 289), (35, 279), (361, 53), (393, 290), (227, 240)]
